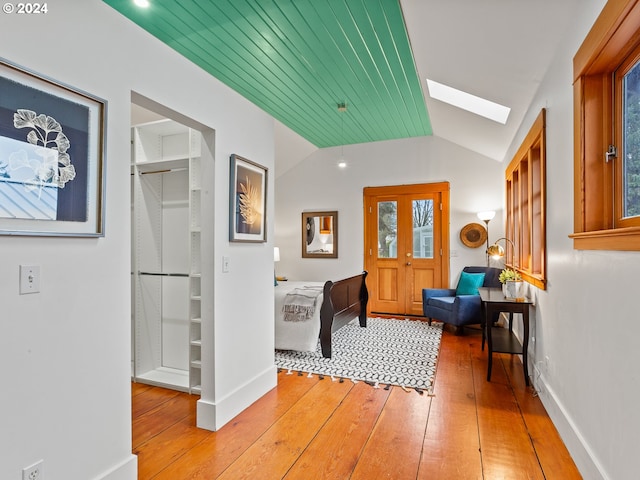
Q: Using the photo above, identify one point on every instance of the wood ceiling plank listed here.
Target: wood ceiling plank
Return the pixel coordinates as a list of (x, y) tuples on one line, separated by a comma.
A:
[(297, 59)]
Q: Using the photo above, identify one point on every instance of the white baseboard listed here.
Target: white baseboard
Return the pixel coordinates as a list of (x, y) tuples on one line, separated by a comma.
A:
[(126, 470), (582, 455), (212, 415)]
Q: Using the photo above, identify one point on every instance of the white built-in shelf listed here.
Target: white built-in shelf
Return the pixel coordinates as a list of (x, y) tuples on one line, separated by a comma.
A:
[(166, 377), (163, 166), (167, 173)]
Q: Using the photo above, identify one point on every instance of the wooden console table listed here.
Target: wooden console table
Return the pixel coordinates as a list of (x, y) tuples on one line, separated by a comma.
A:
[(502, 340)]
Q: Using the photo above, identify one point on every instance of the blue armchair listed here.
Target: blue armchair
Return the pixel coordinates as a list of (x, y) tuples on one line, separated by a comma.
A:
[(445, 305)]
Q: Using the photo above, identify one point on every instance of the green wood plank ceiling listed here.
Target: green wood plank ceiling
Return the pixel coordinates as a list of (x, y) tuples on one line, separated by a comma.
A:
[(298, 59)]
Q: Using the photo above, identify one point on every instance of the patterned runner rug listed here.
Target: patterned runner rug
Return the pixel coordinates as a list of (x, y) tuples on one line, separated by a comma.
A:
[(386, 352)]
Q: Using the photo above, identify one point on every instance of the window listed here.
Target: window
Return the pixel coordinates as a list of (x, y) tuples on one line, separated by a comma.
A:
[(525, 189), (628, 172), (607, 131)]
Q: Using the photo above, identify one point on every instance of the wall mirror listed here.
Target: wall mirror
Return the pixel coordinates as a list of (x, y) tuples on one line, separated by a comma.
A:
[(320, 234)]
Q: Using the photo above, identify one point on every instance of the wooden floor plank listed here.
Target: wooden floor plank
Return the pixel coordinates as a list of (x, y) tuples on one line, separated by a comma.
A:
[(451, 445), (470, 429), (507, 451), (334, 452), (150, 398), (211, 457), (137, 388), (394, 448), (167, 446), (550, 449), (273, 454), (163, 416)]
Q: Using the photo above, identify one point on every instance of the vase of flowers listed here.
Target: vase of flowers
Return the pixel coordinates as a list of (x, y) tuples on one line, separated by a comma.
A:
[(511, 282)]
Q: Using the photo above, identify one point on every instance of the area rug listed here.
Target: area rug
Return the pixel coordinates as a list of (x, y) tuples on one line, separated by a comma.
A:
[(386, 352)]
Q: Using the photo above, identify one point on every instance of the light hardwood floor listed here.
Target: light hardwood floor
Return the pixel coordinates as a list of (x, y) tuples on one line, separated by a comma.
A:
[(307, 428)]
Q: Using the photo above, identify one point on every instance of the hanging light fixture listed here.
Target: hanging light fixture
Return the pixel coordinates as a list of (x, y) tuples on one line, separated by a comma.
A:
[(342, 108)]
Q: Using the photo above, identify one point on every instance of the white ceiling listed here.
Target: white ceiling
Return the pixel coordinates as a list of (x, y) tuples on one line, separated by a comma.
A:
[(496, 49)]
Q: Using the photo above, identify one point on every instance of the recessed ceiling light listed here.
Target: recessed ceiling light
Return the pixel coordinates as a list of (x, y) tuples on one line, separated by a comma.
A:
[(466, 101), (141, 3), (342, 164)]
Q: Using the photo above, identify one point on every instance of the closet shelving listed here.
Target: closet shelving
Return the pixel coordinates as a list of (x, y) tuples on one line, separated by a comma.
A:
[(195, 271), (166, 243)]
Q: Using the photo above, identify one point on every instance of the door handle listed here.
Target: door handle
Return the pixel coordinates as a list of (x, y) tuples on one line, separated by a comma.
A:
[(408, 263)]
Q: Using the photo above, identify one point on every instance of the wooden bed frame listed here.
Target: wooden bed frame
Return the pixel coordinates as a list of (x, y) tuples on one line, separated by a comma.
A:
[(343, 300)]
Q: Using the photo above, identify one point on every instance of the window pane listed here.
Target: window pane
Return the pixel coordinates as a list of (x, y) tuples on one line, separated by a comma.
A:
[(387, 229), (423, 229), (631, 139)]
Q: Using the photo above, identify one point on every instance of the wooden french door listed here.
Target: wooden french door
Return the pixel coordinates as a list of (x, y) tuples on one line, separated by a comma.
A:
[(406, 245)]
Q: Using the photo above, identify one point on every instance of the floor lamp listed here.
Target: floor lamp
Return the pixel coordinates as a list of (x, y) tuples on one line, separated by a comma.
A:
[(486, 217), (497, 252)]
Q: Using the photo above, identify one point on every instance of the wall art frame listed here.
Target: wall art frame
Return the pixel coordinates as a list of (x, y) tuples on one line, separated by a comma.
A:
[(52, 156), (320, 234), (247, 200)]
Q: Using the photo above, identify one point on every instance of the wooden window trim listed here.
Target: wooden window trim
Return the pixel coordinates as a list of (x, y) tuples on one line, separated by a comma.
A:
[(614, 35), (525, 188)]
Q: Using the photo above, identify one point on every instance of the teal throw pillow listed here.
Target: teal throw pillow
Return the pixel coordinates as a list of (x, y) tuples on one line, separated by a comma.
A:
[(469, 283)]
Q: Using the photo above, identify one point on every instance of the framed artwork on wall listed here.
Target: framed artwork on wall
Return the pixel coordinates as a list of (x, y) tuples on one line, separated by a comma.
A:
[(52, 156), (247, 200)]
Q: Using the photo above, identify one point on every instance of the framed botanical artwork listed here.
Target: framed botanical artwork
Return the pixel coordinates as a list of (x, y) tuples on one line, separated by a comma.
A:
[(247, 201), (52, 154)]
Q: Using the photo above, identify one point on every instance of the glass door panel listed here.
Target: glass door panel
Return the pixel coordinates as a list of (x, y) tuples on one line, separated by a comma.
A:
[(422, 228), (388, 229)]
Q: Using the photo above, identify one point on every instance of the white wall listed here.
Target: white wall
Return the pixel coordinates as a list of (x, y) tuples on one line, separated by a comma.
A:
[(587, 320), (476, 184), (66, 351)]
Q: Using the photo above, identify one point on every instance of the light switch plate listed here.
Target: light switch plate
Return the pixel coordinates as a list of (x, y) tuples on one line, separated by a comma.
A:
[(29, 279)]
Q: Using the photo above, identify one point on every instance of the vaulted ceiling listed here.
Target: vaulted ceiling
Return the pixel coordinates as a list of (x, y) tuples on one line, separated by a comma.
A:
[(298, 59)]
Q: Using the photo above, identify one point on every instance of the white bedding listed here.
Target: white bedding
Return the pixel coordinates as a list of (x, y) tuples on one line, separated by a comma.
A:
[(299, 336)]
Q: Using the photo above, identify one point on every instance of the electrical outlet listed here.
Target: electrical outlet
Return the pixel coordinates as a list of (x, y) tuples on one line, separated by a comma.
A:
[(33, 472)]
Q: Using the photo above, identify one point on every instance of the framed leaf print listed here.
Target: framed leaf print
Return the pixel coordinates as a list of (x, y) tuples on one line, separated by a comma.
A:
[(51, 157), (247, 201)]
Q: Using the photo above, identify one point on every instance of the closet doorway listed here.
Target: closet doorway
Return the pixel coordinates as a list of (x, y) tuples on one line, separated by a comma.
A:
[(406, 245), (171, 161)]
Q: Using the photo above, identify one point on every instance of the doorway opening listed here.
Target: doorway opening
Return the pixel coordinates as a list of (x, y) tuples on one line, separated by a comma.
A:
[(406, 245), (171, 242)]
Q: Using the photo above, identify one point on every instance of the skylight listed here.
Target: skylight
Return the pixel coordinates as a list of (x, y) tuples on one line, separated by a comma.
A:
[(466, 101)]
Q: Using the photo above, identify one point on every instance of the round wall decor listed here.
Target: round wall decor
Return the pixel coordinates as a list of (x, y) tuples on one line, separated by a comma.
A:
[(473, 235)]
